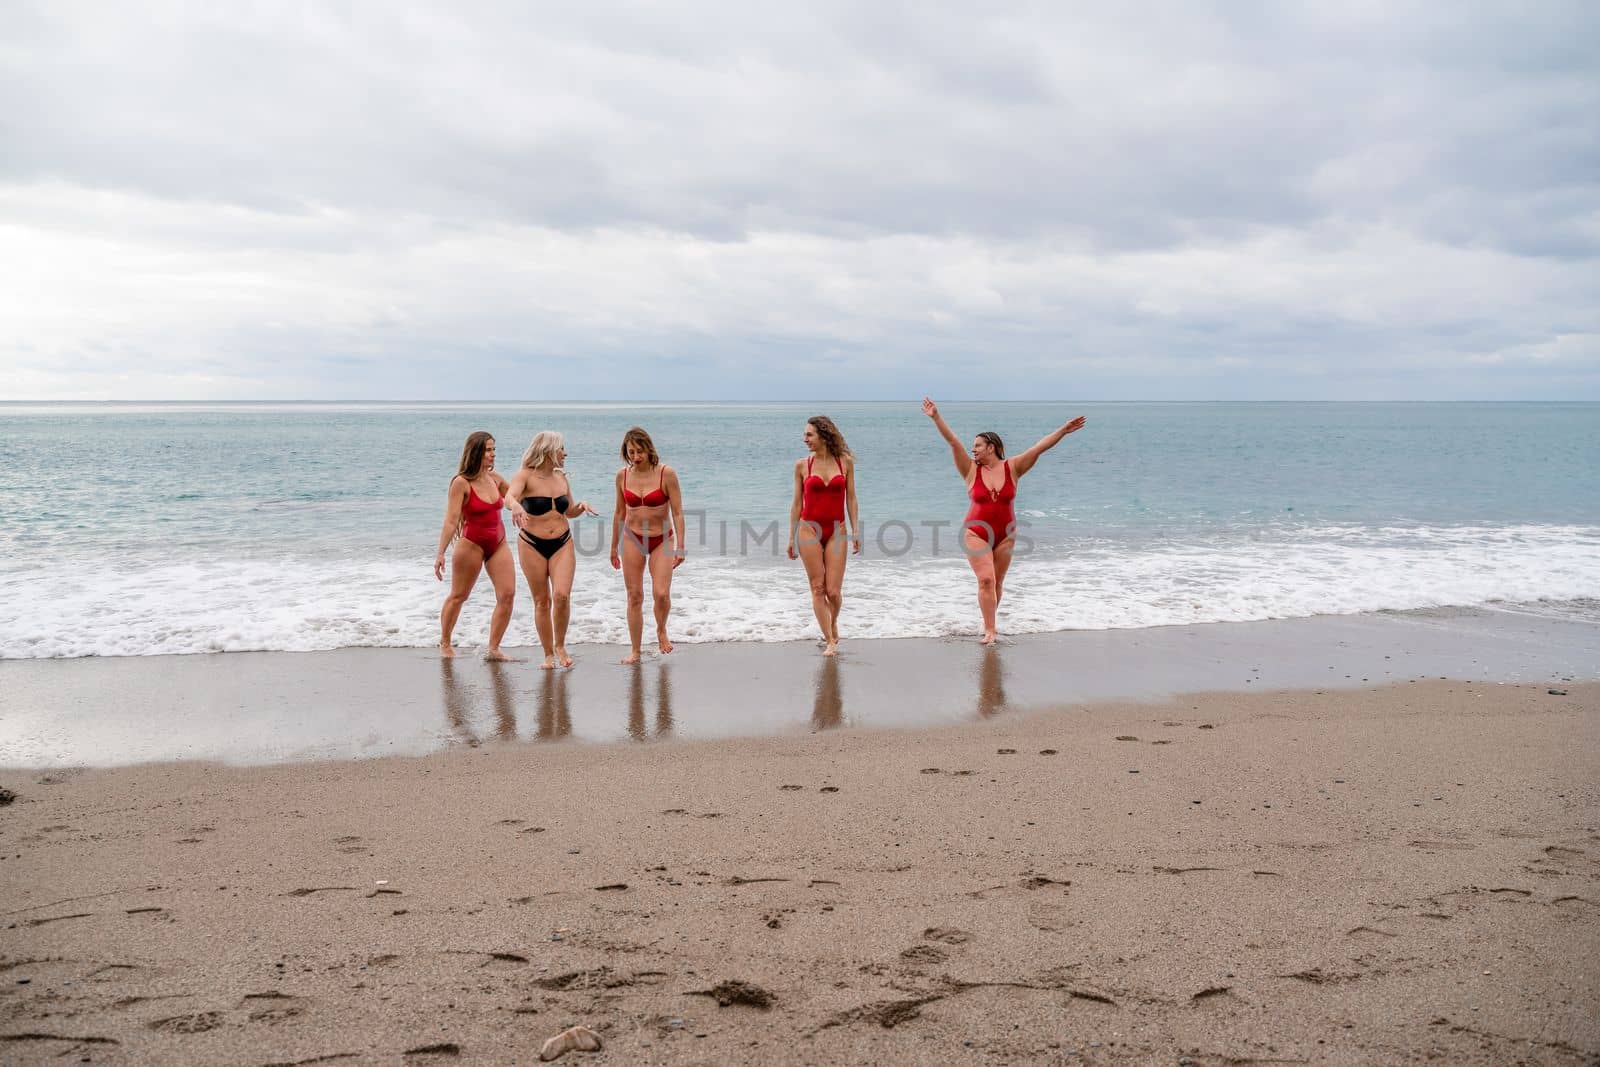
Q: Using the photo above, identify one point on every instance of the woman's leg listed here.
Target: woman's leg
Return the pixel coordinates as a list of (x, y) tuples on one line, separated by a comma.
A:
[(982, 560), (503, 574), (563, 565), (537, 571), (633, 581), (661, 592), (810, 550), (1002, 563), (465, 561), (833, 559)]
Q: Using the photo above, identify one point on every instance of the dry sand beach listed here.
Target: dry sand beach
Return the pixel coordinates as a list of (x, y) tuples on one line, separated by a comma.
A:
[(1374, 875)]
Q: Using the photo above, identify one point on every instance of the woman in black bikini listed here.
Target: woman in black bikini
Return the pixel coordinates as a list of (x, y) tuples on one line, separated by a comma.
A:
[(646, 531), (545, 546)]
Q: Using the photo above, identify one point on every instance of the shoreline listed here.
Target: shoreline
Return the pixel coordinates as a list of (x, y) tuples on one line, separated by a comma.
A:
[(1346, 876), (360, 703)]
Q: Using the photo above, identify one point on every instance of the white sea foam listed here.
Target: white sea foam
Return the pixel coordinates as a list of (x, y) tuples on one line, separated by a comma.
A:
[(301, 604)]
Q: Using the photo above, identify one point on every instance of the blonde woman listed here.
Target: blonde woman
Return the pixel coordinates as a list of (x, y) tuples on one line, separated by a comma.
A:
[(545, 547), (649, 511), (824, 494)]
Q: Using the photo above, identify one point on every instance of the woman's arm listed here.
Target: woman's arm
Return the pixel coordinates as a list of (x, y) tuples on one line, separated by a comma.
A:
[(576, 508), (455, 496), (617, 507), (794, 506), (513, 499), (1020, 465), (679, 534), (957, 451), (850, 505)]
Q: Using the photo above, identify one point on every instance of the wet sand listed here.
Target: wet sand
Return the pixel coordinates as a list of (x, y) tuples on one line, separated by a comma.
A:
[(1368, 875), (279, 706)]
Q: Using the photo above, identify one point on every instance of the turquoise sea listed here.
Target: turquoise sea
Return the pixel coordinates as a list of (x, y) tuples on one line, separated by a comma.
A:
[(141, 529)]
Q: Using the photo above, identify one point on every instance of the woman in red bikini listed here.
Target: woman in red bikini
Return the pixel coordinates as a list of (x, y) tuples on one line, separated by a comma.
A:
[(472, 520), (649, 510), (545, 549), (991, 520), (824, 491)]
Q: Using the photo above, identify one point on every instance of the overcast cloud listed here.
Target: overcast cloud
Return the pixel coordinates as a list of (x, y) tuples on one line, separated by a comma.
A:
[(862, 201)]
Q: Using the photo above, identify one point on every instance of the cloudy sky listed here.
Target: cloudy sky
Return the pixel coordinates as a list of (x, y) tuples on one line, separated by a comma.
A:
[(481, 201)]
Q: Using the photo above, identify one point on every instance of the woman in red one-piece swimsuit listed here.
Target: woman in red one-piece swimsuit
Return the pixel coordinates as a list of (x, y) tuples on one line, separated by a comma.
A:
[(824, 492), (472, 519), (991, 521)]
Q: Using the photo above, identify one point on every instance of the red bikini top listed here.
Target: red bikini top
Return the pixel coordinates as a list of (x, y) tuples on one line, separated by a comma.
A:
[(653, 499)]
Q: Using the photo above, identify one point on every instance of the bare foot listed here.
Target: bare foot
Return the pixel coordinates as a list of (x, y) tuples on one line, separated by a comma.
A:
[(494, 655), (549, 664), (446, 651), (832, 649), (662, 643), (630, 659), (562, 657), (989, 638)]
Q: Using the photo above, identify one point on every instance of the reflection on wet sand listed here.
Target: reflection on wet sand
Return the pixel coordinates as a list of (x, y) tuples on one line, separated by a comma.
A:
[(505, 708), (991, 684), (828, 710), (636, 722), (555, 719), (458, 702)]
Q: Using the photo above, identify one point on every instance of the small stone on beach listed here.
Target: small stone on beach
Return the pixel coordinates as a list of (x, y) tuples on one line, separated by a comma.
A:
[(579, 1038)]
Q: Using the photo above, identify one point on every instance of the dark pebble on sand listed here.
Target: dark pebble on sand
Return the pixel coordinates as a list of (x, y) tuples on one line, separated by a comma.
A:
[(7, 796), (1552, 692)]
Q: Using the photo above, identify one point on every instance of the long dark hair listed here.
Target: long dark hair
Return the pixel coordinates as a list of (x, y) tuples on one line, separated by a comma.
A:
[(472, 454), (994, 439), (832, 439)]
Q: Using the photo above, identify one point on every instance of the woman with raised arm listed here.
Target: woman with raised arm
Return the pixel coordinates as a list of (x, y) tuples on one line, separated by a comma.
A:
[(549, 558), (647, 520), (991, 521), (472, 521), (824, 493)]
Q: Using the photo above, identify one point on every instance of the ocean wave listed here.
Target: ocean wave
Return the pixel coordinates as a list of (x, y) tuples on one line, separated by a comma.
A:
[(306, 604)]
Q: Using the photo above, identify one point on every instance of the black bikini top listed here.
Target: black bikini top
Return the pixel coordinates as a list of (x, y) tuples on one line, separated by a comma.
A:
[(539, 505)]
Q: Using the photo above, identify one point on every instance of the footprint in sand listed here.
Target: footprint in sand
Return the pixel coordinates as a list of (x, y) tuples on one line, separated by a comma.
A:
[(947, 934), (195, 1023), (924, 954)]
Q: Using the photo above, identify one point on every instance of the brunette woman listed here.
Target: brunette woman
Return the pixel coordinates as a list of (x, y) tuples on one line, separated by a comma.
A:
[(824, 494), (648, 521), (472, 521), (991, 521), (545, 547)]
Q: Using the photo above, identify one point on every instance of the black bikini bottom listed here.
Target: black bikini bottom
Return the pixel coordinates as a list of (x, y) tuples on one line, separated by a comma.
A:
[(547, 546)]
